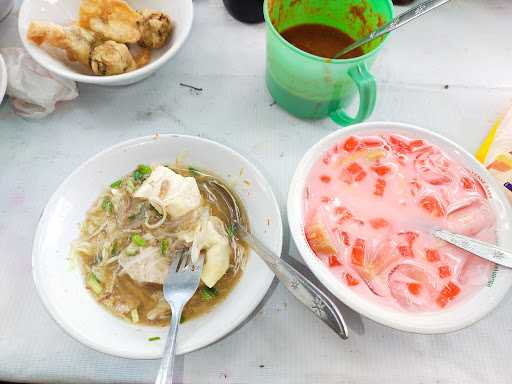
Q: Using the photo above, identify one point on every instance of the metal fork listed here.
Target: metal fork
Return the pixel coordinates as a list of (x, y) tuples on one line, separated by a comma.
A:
[(180, 284)]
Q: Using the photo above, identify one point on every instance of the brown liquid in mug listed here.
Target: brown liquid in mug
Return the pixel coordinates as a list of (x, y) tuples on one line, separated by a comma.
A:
[(320, 40)]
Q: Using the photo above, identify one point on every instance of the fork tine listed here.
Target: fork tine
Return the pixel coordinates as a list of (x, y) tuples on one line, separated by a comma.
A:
[(175, 262), (184, 262), (188, 259), (199, 262)]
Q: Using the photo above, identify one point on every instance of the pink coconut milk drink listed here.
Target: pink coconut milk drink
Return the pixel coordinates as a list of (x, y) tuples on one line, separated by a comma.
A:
[(369, 204)]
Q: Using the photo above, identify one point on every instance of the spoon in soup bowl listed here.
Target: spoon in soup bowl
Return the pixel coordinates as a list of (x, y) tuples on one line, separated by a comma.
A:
[(298, 285)]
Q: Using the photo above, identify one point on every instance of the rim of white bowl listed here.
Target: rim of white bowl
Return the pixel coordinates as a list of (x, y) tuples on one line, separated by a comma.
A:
[(3, 78), (374, 311), (112, 79), (249, 308)]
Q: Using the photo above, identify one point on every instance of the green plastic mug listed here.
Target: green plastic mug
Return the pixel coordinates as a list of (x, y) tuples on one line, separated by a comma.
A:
[(313, 87)]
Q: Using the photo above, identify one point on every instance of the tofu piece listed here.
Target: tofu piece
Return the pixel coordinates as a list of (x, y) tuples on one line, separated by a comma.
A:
[(148, 266), (177, 194), (213, 239)]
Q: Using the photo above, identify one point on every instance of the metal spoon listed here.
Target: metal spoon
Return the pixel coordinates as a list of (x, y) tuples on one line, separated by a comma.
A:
[(397, 22), (303, 289), (479, 248)]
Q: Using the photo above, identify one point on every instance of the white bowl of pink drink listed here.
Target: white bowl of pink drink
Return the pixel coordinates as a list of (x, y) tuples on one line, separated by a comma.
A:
[(360, 207)]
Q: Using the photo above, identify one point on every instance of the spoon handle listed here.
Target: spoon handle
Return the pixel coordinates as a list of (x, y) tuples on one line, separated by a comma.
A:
[(299, 286), (484, 250), (397, 22)]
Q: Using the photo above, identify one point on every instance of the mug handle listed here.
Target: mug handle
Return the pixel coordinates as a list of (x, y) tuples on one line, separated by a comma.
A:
[(367, 88)]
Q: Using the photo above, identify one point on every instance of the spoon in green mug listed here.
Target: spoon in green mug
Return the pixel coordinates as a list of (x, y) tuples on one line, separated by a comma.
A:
[(397, 22)]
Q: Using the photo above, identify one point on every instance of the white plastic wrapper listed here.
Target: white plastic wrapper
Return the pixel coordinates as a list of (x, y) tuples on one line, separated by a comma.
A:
[(33, 90)]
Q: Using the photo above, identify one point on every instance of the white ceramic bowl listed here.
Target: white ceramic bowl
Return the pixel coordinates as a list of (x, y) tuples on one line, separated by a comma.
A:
[(3, 78), (451, 319), (65, 12), (61, 285)]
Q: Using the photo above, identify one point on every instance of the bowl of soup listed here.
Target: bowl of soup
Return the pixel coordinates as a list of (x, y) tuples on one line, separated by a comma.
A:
[(108, 234), (361, 206)]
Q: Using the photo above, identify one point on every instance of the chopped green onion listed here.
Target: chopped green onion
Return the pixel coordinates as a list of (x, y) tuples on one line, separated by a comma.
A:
[(114, 251), (231, 230), (144, 169), (137, 175), (130, 186), (135, 315), (154, 338), (208, 294), (107, 205), (193, 171), (138, 240), (164, 246), (94, 284), (116, 184)]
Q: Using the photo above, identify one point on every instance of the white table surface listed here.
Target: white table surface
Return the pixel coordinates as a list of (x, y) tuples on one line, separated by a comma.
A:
[(466, 45)]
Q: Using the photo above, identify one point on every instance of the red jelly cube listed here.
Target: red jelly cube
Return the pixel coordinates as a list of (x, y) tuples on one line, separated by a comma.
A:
[(343, 213), (432, 206), (360, 176), (372, 142), (444, 271), (447, 294), (381, 170), (333, 261), (432, 255), (351, 144), (358, 252), (351, 280), (415, 144), (414, 288), (354, 168), (410, 236), (405, 251), (380, 185), (378, 223)]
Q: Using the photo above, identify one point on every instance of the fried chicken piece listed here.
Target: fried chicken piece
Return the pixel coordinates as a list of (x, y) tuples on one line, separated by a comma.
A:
[(111, 19), (143, 57), (155, 28), (111, 58), (76, 41)]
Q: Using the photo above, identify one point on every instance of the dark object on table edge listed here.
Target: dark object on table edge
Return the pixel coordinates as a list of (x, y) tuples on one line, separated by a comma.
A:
[(246, 11), (402, 2)]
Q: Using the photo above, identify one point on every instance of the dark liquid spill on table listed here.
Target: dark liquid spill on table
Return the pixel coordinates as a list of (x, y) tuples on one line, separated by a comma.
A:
[(320, 40)]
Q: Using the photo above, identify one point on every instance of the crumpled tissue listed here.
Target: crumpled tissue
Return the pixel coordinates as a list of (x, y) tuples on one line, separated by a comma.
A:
[(33, 90)]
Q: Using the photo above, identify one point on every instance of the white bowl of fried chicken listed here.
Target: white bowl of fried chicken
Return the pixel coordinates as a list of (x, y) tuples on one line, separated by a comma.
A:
[(107, 42)]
